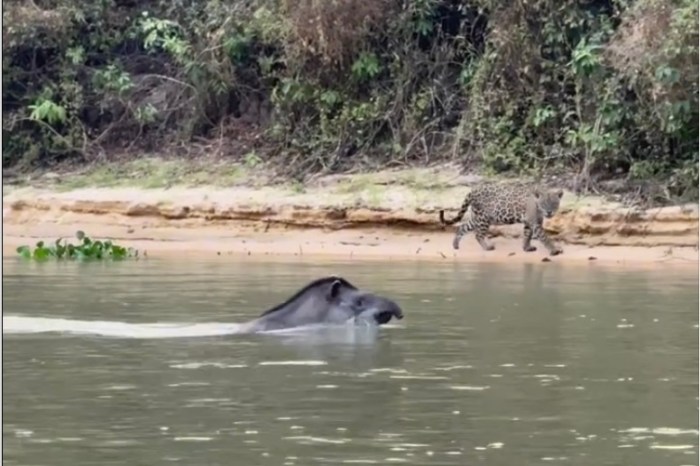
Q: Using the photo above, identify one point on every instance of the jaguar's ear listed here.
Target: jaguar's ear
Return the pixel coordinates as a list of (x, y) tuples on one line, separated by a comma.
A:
[(560, 193), (536, 193)]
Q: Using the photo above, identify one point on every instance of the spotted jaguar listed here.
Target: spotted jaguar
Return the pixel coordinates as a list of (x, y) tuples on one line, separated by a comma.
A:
[(507, 204)]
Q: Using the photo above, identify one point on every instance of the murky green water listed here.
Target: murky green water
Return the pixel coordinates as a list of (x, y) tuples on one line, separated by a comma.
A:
[(493, 364)]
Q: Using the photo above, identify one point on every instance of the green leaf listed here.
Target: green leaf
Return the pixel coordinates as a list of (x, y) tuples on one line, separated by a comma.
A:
[(41, 254), (24, 251)]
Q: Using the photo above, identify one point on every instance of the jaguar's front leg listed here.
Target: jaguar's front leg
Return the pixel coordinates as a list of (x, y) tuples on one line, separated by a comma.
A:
[(527, 239), (540, 234)]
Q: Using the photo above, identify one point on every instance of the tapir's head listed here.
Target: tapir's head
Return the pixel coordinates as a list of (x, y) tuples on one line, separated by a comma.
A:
[(362, 304)]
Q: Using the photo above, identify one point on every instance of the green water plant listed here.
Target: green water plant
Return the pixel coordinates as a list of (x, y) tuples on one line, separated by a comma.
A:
[(85, 249)]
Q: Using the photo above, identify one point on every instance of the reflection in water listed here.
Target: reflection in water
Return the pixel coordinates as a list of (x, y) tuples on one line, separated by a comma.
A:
[(511, 364)]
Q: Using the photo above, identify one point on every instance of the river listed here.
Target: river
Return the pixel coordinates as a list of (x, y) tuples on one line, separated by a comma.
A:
[(508, 364)]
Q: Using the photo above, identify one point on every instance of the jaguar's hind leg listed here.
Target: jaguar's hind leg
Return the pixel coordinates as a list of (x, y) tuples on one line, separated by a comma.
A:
[(459, 234), (481, 231)]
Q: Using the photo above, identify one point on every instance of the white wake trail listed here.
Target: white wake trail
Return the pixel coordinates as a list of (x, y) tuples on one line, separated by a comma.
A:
[(32, 325)]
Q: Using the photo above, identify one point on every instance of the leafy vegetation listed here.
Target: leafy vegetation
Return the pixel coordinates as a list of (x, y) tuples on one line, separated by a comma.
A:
[(86, 249), (604, 90)]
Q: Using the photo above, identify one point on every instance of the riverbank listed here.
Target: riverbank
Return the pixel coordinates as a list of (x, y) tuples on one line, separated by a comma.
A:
[(382, 216)]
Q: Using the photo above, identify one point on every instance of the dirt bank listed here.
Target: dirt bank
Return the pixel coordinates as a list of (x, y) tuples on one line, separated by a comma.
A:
[(359, 217)]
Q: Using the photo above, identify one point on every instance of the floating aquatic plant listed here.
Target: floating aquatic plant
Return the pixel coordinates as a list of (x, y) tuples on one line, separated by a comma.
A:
[(86, 249)]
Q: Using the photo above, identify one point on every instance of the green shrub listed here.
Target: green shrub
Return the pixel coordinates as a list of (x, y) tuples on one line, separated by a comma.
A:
[(86, 249), (602, 90)]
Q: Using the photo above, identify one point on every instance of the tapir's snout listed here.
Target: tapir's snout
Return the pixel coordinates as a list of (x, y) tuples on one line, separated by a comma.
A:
[(388, 310), (396, 311)]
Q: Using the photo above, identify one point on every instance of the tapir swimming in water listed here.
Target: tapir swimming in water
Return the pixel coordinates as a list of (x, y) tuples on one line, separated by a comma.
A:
[(329, 300)]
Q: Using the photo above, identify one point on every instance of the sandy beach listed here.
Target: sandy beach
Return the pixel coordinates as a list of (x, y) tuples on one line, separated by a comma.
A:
[(400, 224)]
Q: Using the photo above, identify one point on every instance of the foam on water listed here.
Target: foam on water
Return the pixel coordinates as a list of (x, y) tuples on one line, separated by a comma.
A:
[(31, 325), (114, 329)]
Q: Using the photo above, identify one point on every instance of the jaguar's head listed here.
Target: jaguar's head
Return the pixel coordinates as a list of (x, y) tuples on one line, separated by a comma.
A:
[(548, 201)]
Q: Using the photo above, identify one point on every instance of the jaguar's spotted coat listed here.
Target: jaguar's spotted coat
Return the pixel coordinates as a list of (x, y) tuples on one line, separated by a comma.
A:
[(507, 204)]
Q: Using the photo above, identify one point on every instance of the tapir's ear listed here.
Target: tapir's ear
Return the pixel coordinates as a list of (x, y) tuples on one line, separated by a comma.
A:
[(335, 289)]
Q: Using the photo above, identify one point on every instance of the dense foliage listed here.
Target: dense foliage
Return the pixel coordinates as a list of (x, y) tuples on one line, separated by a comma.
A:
[(604, 88)]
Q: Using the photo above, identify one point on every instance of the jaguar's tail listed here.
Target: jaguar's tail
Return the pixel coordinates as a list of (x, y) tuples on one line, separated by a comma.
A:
[(460, 214)]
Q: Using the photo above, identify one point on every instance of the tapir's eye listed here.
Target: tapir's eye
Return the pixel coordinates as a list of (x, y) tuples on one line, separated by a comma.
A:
[(359, 302)]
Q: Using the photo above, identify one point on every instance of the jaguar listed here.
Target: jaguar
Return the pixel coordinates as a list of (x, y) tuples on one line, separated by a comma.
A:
[(507, 204)]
